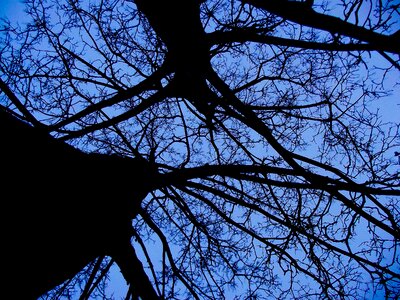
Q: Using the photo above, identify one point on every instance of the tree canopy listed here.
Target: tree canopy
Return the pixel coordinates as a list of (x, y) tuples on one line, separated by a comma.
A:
[(247, 149)]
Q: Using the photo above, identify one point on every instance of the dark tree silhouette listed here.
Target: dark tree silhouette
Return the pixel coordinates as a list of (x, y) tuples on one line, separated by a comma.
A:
[(208, 149)]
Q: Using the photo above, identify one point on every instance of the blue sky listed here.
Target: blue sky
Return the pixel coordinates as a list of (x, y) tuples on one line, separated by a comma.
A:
[(5, 7), (10, 8)]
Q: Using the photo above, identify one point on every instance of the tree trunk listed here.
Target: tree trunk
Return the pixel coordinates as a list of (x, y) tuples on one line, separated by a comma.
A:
[(62, 208)]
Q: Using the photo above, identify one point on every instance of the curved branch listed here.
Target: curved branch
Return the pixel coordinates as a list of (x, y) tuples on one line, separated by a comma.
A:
[(303, 14), (145, 104), (133, 271), (147, 84), (243, 35)]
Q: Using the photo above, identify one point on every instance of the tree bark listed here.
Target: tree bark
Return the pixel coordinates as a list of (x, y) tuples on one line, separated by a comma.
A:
[(62, 208)]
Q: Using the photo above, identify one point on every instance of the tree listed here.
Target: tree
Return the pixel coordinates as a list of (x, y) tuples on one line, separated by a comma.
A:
[(209, 149)]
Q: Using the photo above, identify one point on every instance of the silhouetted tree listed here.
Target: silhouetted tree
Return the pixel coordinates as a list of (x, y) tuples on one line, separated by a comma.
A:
[(210, 149)]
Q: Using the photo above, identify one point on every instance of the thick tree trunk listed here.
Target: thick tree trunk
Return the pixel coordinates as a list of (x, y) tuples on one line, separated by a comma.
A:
[(61, 208), (177, 23)]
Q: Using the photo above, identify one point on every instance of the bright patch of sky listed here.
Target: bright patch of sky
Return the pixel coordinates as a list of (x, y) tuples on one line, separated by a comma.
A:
[(11, 9)]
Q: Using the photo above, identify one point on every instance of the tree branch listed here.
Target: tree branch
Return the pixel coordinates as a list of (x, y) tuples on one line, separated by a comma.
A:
[(243, 35), (303, 14)]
